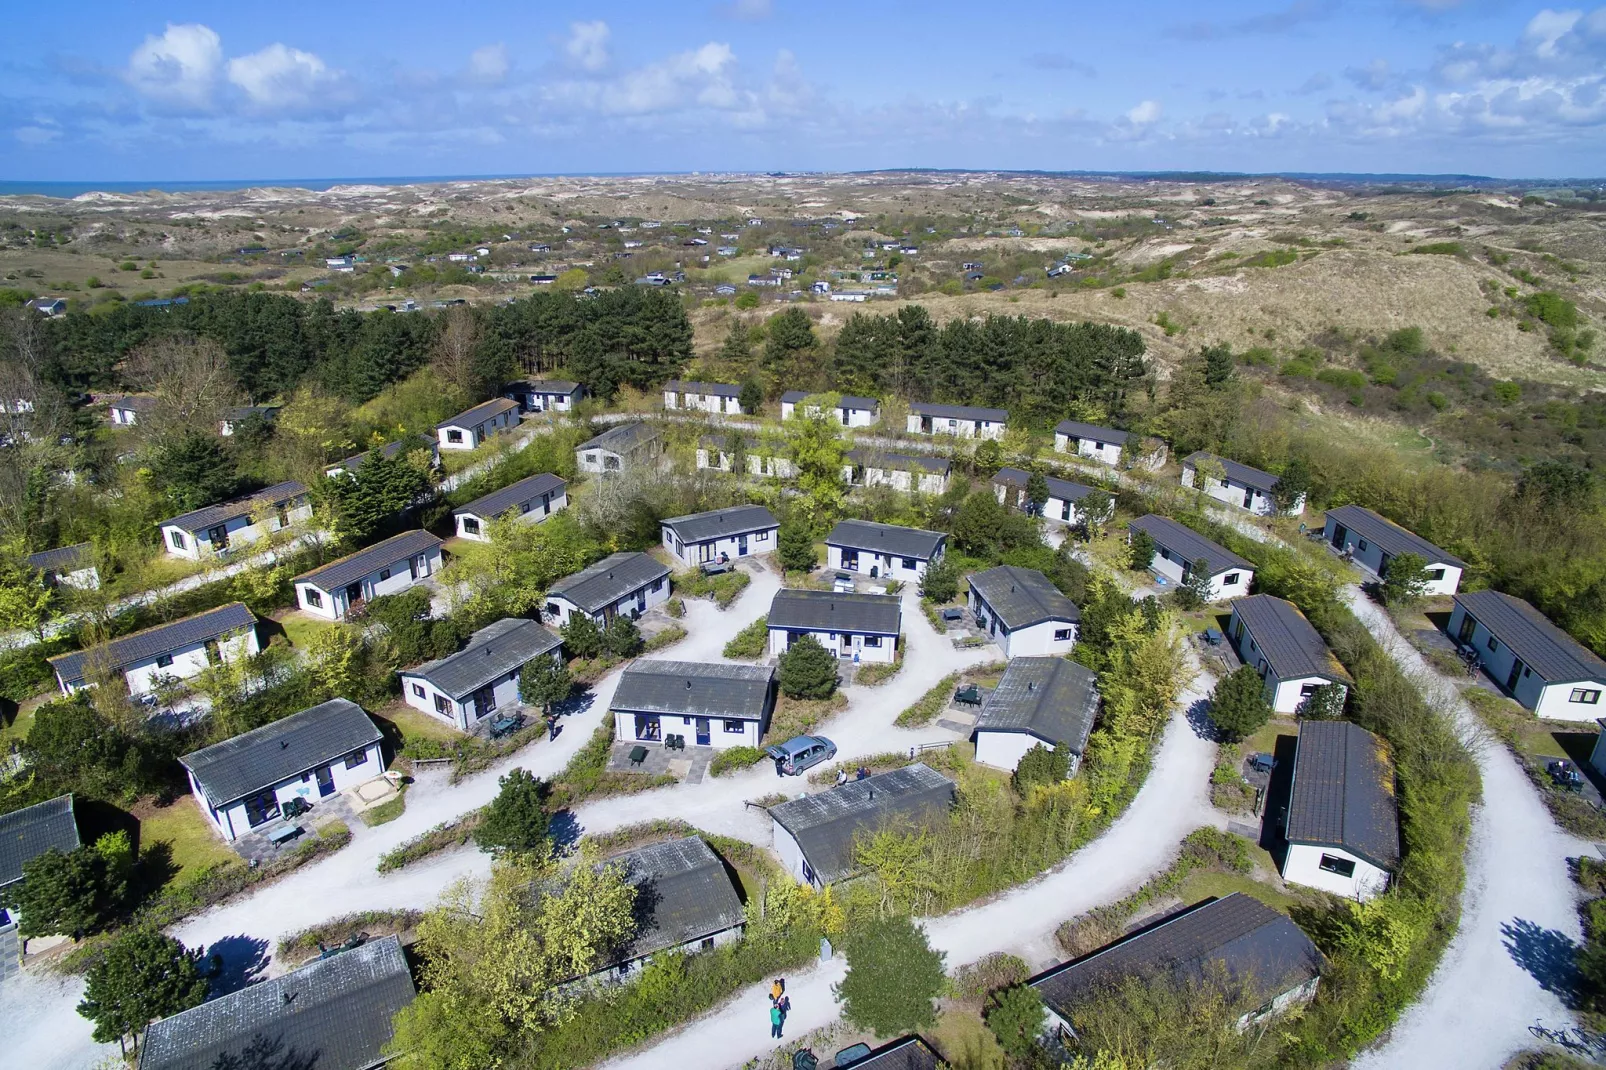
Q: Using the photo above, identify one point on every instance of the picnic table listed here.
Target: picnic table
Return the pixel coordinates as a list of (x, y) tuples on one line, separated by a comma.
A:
[(953, 615), (505, 724), (284, 834), (1212, 636), (969, 695), (638, 754), (715, 568)]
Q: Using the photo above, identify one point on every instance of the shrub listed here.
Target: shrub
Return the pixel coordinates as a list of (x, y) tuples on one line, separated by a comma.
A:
[(1442, 248), (1016, 1019), (667, 637), (930, 704), (1041, 767), (515, 822), (1405, 580), (675, 608), (941, 581), (751, 642), (581, 636), (621, 638), (808, 670), (1238, 704), (980, 979), (732, 759), (894, 977), (452, 833), (1342, 378)]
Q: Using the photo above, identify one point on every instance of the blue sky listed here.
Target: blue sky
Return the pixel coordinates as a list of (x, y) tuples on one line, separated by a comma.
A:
[(186, 91)]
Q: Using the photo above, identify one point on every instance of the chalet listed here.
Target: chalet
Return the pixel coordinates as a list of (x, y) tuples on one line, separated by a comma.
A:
[(532, 499), (469, 429), (239, 522), (910, 473), (1238, 937), (720, 534), (762, 280), (345, 585), (862, 627), (128, 409), (685, 900), (707, 704), (402, 447), (1540, 665), (466, 687), (67, 566), (544, 395), (27, 833), (244, 782), (1373, 542), (177, 650), (49, 306), (883, 550), (849, 410), (622, 583), (1275, 639), (1047, 701), (1103, 444), (1023, 612), (618, 448), (725, 289), (1236, 484), (1179, 550), (964, 421), (815, 835), (1342, 828), (334, 1013), (857, 297), (714, 398), (1064, 503), (719, 452)]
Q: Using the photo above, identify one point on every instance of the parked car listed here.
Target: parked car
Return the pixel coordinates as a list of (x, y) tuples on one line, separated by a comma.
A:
[(800, 754)]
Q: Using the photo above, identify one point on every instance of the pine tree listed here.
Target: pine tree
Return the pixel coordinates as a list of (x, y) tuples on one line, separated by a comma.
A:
[(808, 670), (1238, 704), (1140, 551), (581, 636), (795, 548), (516, 820)]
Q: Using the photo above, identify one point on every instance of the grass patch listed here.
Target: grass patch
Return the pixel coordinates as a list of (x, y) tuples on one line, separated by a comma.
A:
[(587, 777), (415, 727), (301, 628), (385, 812), (876, 673), (734, 759), (1202, 884), (723, 589), (798, 716), (929, 705), (192, 843), (1535, 744), (751, 642), (668, 637), (16, 728)]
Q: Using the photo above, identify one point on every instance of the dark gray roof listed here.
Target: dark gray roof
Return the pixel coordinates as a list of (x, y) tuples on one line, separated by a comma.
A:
[(1286, 639), (692, 386), (695, 689), (136, 402), (331, 1014), (826, 823), (28, 833), (222, 512), (1051, 698), (1077, 429), (721, 523), (909, 1053), (512, 496), (1251, 940), (886, 539), (149, 644), (622, 439), (683, 894), (485, 410), (263, 757), (353, 567), (1021, 597), (1343, 793), (240, 412), (1389, 537), (1543, 647), (1063, 489), (1235, 472), (542, 386), (63, 558), (1189, 545), (958, 412), (609, 580), (848, 401), (493, 652), (904, 461), (390, 451), (832, 611)]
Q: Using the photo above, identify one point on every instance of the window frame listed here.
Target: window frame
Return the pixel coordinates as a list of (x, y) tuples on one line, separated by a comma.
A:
[(419, 692), (1064, 635), (356, 758), (1339, 867), (1587, 696), (739, 729)]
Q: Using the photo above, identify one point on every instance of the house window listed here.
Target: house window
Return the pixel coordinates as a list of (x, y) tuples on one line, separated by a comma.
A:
[(164, 660), (177, 538), (1362, 546), (762, 536), (1165, 555), (910, 563), (1494, 644), (418, 691), (356, 758), (1586, 695), (314, 599), (707, 944), (384, 574), (1229, 579), (1342, 867), (524, 507), (470, 526), (591, 458), (1435, 574), (657, 585), (736, 728), (443, 705), (454, 436), (1307, 690), (611, 463), (872, 640), (1062, 635)]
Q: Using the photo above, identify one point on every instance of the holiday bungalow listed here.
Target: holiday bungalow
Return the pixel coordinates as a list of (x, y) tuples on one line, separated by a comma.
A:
[(1540, 665), (335, 590), (233, 417), (1103, 444), (402, 447), (720, 534), (67, 566), (26, 834), (239, 522), (1179, 551), (685, 903), (964, 421), (622, 583), (1023, 612), (863, 627), (883, 551), (177, 650), (1064, 502), (1274, 638), (470, 428), (1372, 542), (1236, 484), (718, 452), (1049, 701), (618, 448), (815, 835), (900, 471), (532, 499), (1342, 828), (713, 398), (127, 410), (466, 687), (849, 410), (544, 395), (708, 704)]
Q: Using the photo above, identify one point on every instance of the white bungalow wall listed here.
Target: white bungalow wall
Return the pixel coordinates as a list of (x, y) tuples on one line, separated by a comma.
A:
[(1303, 865), (849, 645), (232, 821), (885, 566)]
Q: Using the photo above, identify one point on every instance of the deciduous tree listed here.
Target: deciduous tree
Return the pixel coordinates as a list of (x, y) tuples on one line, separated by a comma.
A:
[(1140, 551), (894, 977), (142, 976), (795, 548), (544, 682), (1405, 580)]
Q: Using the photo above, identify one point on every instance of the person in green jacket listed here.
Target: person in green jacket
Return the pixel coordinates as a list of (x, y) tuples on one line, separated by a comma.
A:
[(775, 1020)]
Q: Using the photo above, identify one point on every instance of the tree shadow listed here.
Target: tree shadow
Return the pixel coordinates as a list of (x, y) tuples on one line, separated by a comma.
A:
[(240, 961), (1549, 956), (157, 868), (265, 1053), (1199, 719), (564, 830)]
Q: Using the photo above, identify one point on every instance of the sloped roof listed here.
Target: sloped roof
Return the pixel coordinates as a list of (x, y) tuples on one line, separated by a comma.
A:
[(211, 515), (353, 567), (886, 539), (1343, 793), (1063, 489), (1051, 698), (134, 402), (485, 410), (63, 558), (622, 439), (1286, 639), (1234, 472), (609, 580), (543, 386), (833, 611), (897, 461), (692, 386), (151, 643), (390, 451), (721, 523), (1077, 429), (959, 412), (28, 833), (512, 496), (1021, 597), (1389, 537), (240, 412), (263, 757), (848, 401), (824, 824), (1543, 647), (683, 894), (695, 689), (331, 1014), (906, 1053), (492, 652), (1189, 545)]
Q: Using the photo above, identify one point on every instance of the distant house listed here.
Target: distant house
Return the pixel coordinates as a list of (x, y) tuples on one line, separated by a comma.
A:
[(718, 453), (1237, 937), (619, 448), (544, 395), (179, 650), (909, 473), (762, 280), (1541, 666), (543, 280), (623, 583), (725, 289), (1342, 827), (469, 429), (856, 297), (1178, 549), (1064, 502), (685, 903), (402, 447), (243, 782), (963, 421), (710, 705), (1374, 542), (1103, 444), (466, 687), (850, 411), (860, 627), (49, 306), (715, 398), (738, 531), (126, 410), (67, 566), (240, 522), (336, 590), (26, 834), (233, 417), (533, 499), (1050, 701), (883, 550), (1274, 638), (1023, 612), (815, 835), (334, 1013), (1238, 484)]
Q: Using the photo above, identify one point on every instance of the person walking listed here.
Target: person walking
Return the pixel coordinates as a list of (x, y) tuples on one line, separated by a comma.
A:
[(777, 990), (775, 1020)]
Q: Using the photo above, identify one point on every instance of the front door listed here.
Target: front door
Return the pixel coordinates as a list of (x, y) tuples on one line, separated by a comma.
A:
[(1468, 626), (1514, 675), (218, 537), (705, 551), (1340, 533), (1249, 499), (741, 546), (353, 594), (484, 701), (704, 736), (326, 781)]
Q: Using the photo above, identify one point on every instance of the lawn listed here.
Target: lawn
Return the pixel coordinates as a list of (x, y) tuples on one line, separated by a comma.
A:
[(1201, 884), (194, 843), (17, 728), (300, 628), (413, 724)]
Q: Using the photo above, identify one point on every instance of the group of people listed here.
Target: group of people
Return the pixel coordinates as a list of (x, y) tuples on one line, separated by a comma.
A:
[(780, 1005), (842, 775)]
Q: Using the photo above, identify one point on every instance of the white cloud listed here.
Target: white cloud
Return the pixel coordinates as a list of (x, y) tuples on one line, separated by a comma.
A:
[(701, 78), (180, 67), (1145, 113), (1375, 75), (587, 46), (280, 78), (488, 65)]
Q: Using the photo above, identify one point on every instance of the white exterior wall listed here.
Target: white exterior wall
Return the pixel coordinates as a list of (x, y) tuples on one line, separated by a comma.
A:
[(1303, 866), (718, 460), (791, 856), (691, 553), (334, 602), (1104, 452), (1552, 701), (531, 401), (597, 461), (842, 644), (123, 417), (1286, 695), (476, 435), (898, 479), (460, 715), (638, 601), (1004, 750), (674, 724), (776, 467), (1370, 557), (847, 417), (713, 404), (1055, 509), (84, 579), (887, 566), (188, 661), (241, 531), (1171, 568), (1034, 641), (232, 821), (943, 425), (534, 516), (1233, 493)]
